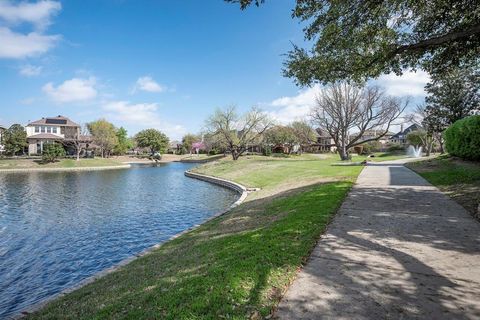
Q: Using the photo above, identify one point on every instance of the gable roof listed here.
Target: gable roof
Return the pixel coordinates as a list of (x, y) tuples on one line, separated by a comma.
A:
[(402, 134), (57, 121)]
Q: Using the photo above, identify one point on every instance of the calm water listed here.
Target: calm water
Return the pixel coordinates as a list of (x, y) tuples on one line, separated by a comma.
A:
[(59, 228)]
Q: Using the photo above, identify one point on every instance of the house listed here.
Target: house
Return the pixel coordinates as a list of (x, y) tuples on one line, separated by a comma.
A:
[(372, 134), (174, 147), (324, 143), (401, 137), (50, 130), (2, 134)]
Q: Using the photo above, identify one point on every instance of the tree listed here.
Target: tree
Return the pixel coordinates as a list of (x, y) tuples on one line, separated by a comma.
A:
[(188, 140), (453, 95), (77, 141), (15, 139), (357, 40), (153, 139), (340, 108), (281, 135), (104, 135), (432, 129), (304, 132), (123, 142), (52, 151), (237, 132)]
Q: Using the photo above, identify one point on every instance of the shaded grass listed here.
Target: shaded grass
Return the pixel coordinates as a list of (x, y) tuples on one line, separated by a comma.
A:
[(228, 268), (458, 178)]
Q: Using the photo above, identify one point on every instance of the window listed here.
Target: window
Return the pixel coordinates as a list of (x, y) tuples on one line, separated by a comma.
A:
[(54, 130), (62, 130), (49, 129), (37, 129), (43, 129)]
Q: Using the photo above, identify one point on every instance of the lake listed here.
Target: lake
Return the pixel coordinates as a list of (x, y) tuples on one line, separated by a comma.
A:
[(57, 229)]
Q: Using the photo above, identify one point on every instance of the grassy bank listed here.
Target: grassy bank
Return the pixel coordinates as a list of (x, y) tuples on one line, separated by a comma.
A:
[(230, 268), (457, 178), (234, 266), (62, 163), (277, 174)]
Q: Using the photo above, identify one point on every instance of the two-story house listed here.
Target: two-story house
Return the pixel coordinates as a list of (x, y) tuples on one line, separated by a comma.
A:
[(50, 130)]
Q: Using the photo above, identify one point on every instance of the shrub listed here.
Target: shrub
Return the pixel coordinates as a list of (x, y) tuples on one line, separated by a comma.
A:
[(267, 150), (462, 139), (372, 146), (52, 152), (395, 147)]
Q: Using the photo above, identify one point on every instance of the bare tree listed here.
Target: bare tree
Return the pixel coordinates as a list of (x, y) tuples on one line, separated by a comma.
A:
[(77, 140), (237, 132), (341, 108)]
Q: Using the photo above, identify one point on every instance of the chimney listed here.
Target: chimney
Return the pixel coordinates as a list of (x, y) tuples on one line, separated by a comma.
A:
[(401, 127)]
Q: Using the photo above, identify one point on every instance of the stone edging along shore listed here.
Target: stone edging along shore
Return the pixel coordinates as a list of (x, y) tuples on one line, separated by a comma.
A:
[(243, 191), (73, 169)]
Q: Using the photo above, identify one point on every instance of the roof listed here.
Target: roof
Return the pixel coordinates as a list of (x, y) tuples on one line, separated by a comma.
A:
[(2, 127), (58, 120), (409, 129), (374, 133), (45, 136)]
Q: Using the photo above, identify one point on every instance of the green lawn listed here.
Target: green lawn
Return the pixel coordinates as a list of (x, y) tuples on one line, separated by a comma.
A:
[(230, 268), (459, 179), (234, 266), (274, 174), (63, 163)]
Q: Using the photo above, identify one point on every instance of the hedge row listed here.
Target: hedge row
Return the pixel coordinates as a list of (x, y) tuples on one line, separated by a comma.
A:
[(462, 139)]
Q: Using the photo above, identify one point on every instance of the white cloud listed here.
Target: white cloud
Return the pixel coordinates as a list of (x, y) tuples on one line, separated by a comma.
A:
[(148, 84), (73, 90), (409, 84), (16, 45), (287, 109), (38, 13), (141, 116), (30, 71)]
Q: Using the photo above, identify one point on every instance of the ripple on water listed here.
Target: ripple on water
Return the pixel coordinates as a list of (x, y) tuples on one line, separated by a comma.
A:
[(57, 229)]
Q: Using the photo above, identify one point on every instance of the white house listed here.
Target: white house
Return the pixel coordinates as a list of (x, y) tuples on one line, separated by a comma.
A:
[(50, 130)]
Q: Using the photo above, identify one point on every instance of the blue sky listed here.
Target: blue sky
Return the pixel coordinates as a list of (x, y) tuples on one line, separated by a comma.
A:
[(162, 64)]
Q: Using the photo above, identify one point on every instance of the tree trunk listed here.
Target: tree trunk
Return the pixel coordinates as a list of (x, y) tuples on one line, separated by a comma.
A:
[(343, 152), (235, 154)]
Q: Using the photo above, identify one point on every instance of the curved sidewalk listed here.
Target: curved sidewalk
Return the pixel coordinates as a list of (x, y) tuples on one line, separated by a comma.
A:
[(397, 249)]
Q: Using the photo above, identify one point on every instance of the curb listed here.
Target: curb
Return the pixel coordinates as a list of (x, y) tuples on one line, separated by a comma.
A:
[(26, 170)]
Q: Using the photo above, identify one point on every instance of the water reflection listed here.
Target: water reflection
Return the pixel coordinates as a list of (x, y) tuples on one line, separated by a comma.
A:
[(59, 228)]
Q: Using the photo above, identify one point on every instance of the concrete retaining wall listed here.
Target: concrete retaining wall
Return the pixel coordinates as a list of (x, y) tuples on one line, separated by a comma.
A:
[(222, 182)]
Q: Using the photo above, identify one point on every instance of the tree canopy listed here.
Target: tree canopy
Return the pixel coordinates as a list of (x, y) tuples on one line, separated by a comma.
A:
[(236, 132), (15, 139), (356, 40), (104, 135), (154, 140)]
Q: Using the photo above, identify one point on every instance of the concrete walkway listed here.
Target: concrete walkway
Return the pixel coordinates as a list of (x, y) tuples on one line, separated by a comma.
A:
[(398, 249)]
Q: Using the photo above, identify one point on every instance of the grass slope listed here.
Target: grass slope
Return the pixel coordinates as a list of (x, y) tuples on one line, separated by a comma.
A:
[(459, 179), (229, 268)]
